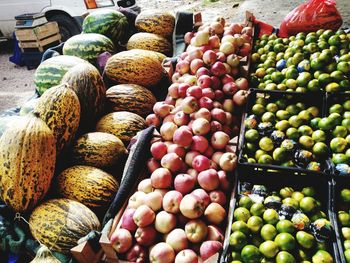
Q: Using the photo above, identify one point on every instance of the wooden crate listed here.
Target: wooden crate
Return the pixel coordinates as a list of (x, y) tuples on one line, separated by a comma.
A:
[(38, 37)]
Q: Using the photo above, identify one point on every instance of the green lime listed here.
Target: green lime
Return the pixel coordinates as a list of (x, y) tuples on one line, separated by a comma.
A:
[(291, 84), (340, 131), (314, 123), (293, 109), (270, 216), (279, 154), (277, 77), (345, 195), (285, 226), (293, 133), (322, 256), (251, 135), (240, 226), (337, 75), (303, 79), (335, 118), (332, 87), (285, 241), (344, 218), (268, 232), (346, 115), (319, 136), (245, 201), (305, 130), (272, 107), (265, 159), (285, 257), (347, 255), (295, 121), (346, 105), (266, 144), (241, 214), (347, 244), (316, 64), (305, 239), (308, 204), (338, 145), (320, 149), (258, 109), (346, 232), (268, 117), (344, 84), (305, 115), (255, 223), (257, 209), (236, 257), (325, 124), (259, 153), (344, 67), (346, 123), (283, 115), (282, 125), (336, 108), (269, 249), (308, 191), (313, 85), (297, 196), (291, 202), (286, 192), (291, 73), (306, 142), (250, 254), (238, 240)]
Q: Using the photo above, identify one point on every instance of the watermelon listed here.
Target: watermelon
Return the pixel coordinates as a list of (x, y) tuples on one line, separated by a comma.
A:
[(50, 72), (110, 23), (88, 46)]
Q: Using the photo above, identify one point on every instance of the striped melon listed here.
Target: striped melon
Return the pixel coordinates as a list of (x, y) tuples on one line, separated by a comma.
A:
[(60, 223), (27, 162), (59, 108), (50, 72), (88, 46), (156, 21), (108, 22), (150, 41), (130, 97), (87, 83), (98, 149), (122, 124), (88, 185), (134, 66)]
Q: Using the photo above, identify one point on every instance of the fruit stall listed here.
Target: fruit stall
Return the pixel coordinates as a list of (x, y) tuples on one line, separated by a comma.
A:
[(161, 138)]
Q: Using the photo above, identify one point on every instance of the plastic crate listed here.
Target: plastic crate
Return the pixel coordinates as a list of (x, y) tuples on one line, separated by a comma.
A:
[(275, 181), (337, 185), (317, 99)]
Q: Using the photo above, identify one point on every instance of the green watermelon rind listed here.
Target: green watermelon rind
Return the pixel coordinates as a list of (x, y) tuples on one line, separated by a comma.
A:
[(110, 23), (51, 71), (88, 46)]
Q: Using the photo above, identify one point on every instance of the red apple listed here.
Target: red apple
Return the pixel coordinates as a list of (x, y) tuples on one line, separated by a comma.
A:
[(233, 60), (182, 88), (202, 38), (171, 201), (128, 221), (245, 49), (219, 95), (161, 178), (161, 191), (173, 90), (145, 185), (202, 195), (216, 157), (136, 199), (209, 152), (193, 173), (200, 126), (194, 91), (215, 82), (203, 113), (219, 140), (247, 30), (181, 118), (192, 206), (199, 143), (218, 196), (167, 130), (240, 98), (158, 150), (208, 179), (195, 65), (176, 77), (204, 81), (202, 72), (162, 253), (228, 161), (162, 109), (226, 79), (224, 182), (214, 233), (209, 93), (143, 216), (217, 27), (235, 71), (190, 156), (227, 48), (184, 183), (230, 88), (170, 101), (215, 213), (169, 118), (210, 248), (201, 163), (153, 119), (183, 136), (172, 162), (152, 164), (186, 256), (218, 115), (121, 240), (242, 83), (209, 57), (146, 236), (205, 102), (228, 105), (217, 105), (177, 239), (154, 201), (188, 36), (215, 126), (190, 79), (229, 120), (189, 105), (179, 150), (195, 53), (165, 222), (218, 69), (136, 254), (196, 231), (220, 56), (236, 28), (182, 67)]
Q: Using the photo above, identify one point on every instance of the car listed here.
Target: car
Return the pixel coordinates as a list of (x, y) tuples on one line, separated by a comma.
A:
[(69, 14)]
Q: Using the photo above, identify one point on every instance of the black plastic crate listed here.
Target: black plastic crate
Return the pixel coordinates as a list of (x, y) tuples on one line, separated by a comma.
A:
[(330, 100), (338, 184), (316, 99), (275, 181)]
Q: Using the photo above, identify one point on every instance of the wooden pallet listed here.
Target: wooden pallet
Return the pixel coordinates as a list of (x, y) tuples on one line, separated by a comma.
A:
[(38, 37)]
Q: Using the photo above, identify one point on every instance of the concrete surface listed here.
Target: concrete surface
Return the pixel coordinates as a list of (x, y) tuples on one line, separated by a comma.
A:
[(16, 83)]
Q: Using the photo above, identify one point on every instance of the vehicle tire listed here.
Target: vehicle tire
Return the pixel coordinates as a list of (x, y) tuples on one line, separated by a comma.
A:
[(66, 24)]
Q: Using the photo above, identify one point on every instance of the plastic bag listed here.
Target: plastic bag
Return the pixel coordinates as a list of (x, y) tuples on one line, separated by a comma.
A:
[(311, 16)]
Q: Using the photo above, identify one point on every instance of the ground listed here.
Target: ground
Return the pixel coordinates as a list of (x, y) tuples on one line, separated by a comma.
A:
[(16, 83)]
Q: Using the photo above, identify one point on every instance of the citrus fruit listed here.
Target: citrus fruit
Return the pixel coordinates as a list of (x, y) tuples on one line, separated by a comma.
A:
[(285, 257), (319, 136), (251, 135), (291, 202), (345, 195), (305, 239), (255, 224), (282, 125), (250, 254), (308, 191), (339, 158), (241, 213), (268, 117), (340, 131), (297, 196), (245, 201), (279, 154), (257, 209), (308, 204), (322, 256), (270, 216), (286, 192), (265, 159), (268, 232), (258, 109), (240, 226), (347, 255), (320, 149), (305, 130), (344, 218), (238, 240), (332, 87), (338, 145), (236, 257), (293, 133), (285, 241), (306, 142), (269, 249), (303, 79), (266, 144), (347, 244), (285, 226)]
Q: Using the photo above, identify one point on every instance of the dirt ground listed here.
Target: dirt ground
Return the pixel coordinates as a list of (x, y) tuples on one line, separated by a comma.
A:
[(16, 83)]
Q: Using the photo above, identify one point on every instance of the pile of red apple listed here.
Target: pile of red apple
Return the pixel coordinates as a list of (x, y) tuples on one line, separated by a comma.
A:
[(178, 214)]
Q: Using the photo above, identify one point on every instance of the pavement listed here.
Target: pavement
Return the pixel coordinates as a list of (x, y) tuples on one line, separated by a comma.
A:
[(16, 83)]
